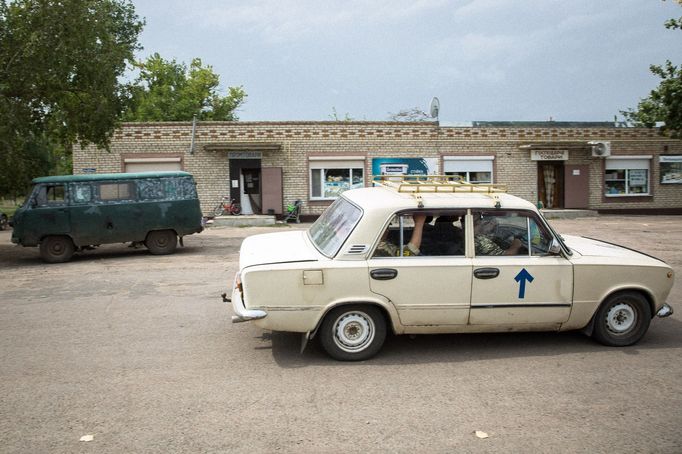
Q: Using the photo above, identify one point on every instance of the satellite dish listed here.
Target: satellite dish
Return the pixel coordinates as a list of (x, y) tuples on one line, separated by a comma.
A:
[(435, 107)]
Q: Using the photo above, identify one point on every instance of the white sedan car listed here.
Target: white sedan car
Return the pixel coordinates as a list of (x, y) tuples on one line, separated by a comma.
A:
[(439, 256)]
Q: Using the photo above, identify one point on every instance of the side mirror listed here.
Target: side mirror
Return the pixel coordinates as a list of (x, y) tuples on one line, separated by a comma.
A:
[(33, 203), (555, 247)]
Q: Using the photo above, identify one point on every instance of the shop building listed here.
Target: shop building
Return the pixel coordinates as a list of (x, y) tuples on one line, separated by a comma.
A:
[(268, 165)]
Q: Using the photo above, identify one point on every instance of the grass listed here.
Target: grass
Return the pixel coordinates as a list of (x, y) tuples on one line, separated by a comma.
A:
[(9, 207)]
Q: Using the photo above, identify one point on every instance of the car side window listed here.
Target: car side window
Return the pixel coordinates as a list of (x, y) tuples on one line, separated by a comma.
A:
[(500, 233), (433, 233), (509, 233)]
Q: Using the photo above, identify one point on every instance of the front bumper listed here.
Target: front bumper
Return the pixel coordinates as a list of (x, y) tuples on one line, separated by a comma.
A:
[(665, 311), (242, 314)]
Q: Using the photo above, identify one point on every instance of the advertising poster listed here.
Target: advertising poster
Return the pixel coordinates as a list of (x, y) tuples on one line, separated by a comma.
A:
[(671, 169), (404, 166)]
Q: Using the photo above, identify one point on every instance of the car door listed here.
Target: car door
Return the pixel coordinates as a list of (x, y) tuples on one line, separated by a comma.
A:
[(517, 285), (429, 289)]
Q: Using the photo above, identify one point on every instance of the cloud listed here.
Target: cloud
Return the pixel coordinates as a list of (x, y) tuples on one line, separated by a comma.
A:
[(291, 20)]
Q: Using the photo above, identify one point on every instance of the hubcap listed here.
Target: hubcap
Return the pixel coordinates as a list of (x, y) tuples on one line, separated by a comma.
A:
[(621, 318), (353, 331)]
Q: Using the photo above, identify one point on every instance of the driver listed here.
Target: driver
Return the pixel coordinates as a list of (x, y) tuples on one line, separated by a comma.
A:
[(483, 238)]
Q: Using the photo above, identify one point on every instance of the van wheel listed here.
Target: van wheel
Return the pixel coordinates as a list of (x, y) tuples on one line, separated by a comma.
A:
[(56, 249), (353, 333), (622, 319), (161, 242)]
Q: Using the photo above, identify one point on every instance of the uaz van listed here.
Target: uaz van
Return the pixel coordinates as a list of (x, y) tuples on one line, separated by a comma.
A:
[(64, 214)]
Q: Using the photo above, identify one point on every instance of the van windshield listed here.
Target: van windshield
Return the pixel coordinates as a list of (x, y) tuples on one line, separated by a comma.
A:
[(330, 231)]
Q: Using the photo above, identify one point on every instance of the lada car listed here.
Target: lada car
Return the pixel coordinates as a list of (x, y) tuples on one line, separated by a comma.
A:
[(432, 255)]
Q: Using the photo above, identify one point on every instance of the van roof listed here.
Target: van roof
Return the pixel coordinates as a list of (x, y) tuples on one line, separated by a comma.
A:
[(108, 176)]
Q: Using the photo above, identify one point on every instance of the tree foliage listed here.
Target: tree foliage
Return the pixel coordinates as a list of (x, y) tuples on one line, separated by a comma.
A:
[(61, 63), (171, 91), (664, 103)]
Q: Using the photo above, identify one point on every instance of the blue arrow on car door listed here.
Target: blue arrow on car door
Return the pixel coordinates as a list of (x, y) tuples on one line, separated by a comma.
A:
[(521, 278)]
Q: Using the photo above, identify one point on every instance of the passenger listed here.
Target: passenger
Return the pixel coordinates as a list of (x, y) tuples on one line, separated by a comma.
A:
[(444, 238), (388, 249), (483, 238)]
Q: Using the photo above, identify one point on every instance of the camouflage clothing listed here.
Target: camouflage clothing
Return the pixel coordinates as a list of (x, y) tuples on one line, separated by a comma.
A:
[(388, 249), (486, 246)]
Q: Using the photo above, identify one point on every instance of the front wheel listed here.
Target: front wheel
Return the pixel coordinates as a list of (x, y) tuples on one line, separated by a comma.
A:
[(353, 333), (56, 249), (622, 319), (161, 242)]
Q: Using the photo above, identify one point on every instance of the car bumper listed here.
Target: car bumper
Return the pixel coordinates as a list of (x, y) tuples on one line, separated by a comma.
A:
[(665, 311), (242, 314)]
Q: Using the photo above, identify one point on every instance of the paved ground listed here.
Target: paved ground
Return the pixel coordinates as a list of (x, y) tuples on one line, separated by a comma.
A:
[(139, 352)]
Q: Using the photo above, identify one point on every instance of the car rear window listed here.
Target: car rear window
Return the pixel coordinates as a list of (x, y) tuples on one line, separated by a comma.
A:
[(331, 229)]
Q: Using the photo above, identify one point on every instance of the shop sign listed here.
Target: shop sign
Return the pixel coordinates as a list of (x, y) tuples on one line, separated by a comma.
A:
[(404, 166), (548, 155), (244, 155), (671, 169)]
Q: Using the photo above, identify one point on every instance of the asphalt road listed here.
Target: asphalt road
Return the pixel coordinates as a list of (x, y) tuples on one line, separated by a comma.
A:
[(139, 352)]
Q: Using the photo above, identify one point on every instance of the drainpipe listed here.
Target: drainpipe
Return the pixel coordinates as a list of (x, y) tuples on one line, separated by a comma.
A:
[(194, 130)]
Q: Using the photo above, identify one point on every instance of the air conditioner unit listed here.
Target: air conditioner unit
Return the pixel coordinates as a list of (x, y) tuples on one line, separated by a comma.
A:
[(600, 149)]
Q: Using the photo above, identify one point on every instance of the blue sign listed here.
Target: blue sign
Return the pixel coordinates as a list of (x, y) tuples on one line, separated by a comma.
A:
[(404, 166), (521, 278)]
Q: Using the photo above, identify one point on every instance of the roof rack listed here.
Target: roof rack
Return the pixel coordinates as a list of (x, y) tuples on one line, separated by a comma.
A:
[(435, 183), (419, 184)]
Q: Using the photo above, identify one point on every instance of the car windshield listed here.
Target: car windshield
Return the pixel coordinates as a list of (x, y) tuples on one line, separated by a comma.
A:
[(332, 228)]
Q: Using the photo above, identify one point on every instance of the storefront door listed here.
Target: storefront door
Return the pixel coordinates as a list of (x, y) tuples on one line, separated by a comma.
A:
[(551, 184)]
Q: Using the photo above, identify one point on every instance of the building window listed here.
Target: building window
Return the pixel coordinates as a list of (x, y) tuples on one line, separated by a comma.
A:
[(627, 177), (328, 179), (472, 169)]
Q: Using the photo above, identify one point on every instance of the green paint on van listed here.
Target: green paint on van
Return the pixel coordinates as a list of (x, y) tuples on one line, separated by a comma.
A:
[(77, 211)]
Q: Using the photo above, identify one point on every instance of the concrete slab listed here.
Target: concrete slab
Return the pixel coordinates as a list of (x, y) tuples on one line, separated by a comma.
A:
[(247, 220)]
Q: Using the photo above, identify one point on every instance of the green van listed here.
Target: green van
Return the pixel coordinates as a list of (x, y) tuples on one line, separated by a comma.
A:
[(64, 214)]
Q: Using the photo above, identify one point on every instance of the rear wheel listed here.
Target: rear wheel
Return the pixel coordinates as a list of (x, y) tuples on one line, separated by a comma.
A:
[(235, 209), (56, 249), (622, 319), (161, 242), (353, 333)]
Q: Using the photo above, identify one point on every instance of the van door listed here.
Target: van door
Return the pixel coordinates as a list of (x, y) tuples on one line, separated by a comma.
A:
[(49, 214), (119, 216)]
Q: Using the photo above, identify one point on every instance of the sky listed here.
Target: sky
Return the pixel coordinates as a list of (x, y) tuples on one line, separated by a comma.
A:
[(485, 60)]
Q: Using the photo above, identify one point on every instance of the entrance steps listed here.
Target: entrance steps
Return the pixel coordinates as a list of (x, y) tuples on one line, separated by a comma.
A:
[(567, 213), (245, 220)]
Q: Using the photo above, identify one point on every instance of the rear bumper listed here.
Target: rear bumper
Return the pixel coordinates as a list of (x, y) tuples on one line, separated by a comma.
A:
[(242, 314), (665, 311)]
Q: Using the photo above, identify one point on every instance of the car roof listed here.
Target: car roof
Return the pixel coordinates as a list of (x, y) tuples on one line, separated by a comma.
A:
[(384, 198)]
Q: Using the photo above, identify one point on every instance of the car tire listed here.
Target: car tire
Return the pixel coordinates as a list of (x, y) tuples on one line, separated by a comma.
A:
[(622, 319), (353, 333), (161, 242), (56, 249)]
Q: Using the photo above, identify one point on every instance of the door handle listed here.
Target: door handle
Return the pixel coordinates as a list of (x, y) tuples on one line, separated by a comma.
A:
[(486, 273), (383, 274)]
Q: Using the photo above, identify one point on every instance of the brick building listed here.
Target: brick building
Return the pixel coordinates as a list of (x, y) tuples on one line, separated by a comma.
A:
[(267, 165)]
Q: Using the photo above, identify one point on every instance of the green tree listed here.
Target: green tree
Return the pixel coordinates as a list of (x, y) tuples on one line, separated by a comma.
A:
[(170, 91), (664, 103), (61, 63)]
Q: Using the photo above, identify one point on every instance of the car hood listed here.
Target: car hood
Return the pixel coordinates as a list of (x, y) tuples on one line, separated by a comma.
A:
[(596, 248), (281, 247)]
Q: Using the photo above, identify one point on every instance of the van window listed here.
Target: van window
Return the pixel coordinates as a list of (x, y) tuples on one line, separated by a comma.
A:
[(111, 192), (81, 192), (50, 195)]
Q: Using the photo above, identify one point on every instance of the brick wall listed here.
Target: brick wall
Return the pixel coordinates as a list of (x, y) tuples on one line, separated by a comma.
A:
[(300, 140)]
